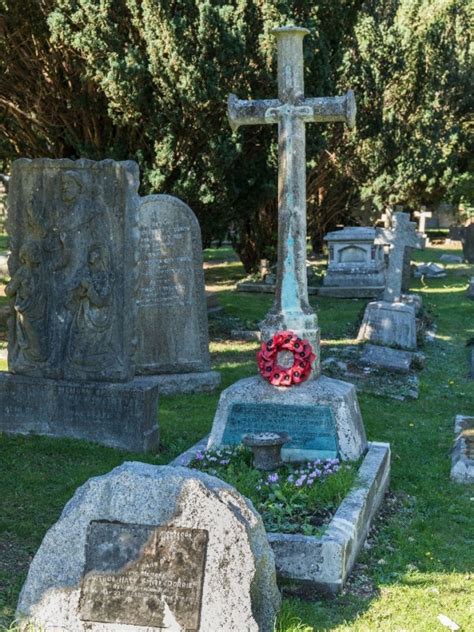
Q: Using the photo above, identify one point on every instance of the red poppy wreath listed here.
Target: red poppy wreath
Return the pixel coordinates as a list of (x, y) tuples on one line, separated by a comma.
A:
[(303, 357)]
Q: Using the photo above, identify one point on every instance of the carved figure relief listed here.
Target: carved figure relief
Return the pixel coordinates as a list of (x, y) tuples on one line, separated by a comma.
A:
[(90, 345), (30, 317)]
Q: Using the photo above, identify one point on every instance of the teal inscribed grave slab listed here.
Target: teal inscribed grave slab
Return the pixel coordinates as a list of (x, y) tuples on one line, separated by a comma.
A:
[(311, 428)]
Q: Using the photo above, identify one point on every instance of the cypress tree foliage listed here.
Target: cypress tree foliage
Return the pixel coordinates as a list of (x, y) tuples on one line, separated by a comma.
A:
[(148, 80), (411, 68)]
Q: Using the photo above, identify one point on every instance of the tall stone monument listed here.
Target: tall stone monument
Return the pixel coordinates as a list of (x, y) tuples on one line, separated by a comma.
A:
[(172, 329), (320, 414), (72, 330), (392, 322), (291, 111)]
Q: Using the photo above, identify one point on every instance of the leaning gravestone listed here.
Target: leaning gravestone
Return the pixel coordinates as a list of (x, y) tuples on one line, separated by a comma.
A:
[(173, 340), (148, 548), (73, 238)]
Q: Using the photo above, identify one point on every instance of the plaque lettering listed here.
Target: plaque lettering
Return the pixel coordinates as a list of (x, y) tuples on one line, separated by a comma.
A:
[(143, 575)]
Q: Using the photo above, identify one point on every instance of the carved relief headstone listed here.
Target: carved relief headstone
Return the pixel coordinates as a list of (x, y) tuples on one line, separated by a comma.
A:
[(172, 315), (72, 325), (71, 265)]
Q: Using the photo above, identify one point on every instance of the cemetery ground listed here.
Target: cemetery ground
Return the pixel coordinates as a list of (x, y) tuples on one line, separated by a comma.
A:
[(419, 559)]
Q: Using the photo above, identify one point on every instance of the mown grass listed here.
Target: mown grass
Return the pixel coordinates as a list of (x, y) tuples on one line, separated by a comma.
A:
[(421, 556)]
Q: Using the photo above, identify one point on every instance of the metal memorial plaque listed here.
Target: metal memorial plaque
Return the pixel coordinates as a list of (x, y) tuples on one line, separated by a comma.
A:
[(311, 428), (143, 575)]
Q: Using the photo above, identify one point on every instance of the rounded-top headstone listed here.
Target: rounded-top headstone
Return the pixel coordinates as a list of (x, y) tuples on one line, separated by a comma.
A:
[(147, 547)]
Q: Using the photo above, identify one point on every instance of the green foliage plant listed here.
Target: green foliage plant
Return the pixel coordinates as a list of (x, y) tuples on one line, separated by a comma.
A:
[(295, 498)]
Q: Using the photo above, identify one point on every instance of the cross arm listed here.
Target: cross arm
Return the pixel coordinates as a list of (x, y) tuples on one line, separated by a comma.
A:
[(251, 112), (329, 109)]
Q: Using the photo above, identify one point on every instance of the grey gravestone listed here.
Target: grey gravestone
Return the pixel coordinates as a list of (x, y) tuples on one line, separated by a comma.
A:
[(464, 234), (462, 461), (321, 414), (73, 237), (386, 358), (152, 548), (72, 263), (356, 264), (470, 289), (172, 316), (390, 322)]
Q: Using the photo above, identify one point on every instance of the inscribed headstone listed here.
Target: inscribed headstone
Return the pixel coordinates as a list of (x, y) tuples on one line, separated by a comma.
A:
[(153, 548), (172, 315)]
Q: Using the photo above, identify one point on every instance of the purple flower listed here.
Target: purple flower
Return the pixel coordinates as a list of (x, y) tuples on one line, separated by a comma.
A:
[(199, 456), (290, 478), (300, 481), (273, 478), (224, 461)]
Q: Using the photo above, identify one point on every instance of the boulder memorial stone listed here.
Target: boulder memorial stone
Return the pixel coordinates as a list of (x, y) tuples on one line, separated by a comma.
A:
[(172, 329), (321, 415), (391, 322), (153, 548), (73, 238), (356, 265)]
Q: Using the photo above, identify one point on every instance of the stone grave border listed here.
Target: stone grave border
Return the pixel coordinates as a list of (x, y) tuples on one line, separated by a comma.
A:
[(323, 563)]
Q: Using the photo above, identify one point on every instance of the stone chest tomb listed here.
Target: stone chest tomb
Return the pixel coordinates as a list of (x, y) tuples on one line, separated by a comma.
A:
[(356, 265)]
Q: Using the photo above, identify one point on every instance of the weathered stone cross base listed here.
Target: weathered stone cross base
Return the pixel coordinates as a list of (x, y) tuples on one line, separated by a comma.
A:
[(389, 324), (321, 416), (303, 325), (119, 415)]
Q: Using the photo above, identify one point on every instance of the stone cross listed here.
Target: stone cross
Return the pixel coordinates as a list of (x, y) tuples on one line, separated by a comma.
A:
[(403, 235), (387, 217), (422, 216), (291, 309)]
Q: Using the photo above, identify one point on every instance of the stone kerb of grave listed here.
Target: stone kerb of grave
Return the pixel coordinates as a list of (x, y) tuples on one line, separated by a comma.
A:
[(356, 265), (391, 322), (146, 548)]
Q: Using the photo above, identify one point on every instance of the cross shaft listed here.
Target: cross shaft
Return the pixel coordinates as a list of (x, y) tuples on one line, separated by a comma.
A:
[(291, 111)]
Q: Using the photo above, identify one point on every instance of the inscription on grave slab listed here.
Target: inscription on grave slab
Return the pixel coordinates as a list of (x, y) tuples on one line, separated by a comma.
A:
[(311, 428), (143, 575), (172, 317)]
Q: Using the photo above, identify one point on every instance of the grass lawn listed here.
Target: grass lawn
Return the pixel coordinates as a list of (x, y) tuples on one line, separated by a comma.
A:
[(419, 561)]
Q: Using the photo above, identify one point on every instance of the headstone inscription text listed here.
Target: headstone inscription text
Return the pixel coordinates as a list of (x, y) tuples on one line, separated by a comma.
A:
[(311, 428), (165, 270), (143, 575), (172, 332)]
